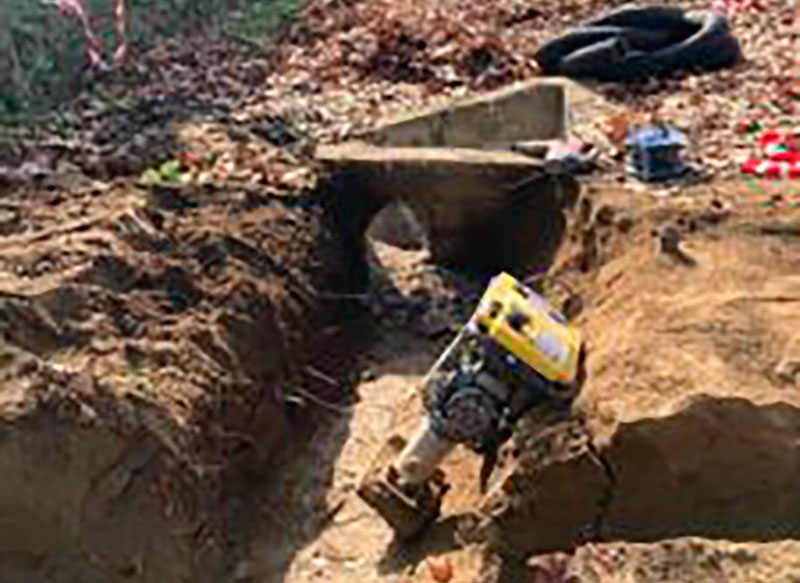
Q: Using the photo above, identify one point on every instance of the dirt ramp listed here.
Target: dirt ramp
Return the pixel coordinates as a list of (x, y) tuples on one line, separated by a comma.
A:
[(718, 468)]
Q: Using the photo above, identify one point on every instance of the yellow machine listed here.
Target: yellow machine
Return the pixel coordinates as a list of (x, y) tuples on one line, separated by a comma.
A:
[(530, 329), (516, 352)]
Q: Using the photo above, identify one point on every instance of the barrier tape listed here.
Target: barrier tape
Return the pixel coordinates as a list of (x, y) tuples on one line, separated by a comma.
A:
[(120, 44), (94, 47), (781, 158)]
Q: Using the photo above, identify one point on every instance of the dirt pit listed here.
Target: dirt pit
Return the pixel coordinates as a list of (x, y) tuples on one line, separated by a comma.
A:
[(147, 351), (649, 479)]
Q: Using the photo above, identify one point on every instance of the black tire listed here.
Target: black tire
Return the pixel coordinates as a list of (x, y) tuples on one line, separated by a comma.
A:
[(616, 50), (711, 48), (552, 53), (599, 61), (643, 17)]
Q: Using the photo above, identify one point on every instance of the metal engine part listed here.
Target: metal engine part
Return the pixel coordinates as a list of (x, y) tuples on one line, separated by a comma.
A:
[(471, 409), (422, 455), (410, 508), (468, 416)]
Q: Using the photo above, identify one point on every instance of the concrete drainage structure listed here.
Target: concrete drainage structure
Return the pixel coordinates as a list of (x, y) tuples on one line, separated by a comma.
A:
[(481, 206)]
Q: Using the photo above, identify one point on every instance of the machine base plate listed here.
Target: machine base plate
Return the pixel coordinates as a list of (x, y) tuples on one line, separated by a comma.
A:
[(408, 513)]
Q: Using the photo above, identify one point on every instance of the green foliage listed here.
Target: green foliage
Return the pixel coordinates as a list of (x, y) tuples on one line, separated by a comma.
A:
[(167, 173)]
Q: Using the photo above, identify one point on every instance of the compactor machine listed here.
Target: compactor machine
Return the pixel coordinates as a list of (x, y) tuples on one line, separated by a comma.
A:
[(516, 352)]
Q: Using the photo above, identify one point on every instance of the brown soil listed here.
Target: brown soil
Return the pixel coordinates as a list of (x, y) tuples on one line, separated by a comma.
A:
[(148, 342), (684, 471), (161, 347), (312, 525), (687, 423), (686, 559), (150, 352)]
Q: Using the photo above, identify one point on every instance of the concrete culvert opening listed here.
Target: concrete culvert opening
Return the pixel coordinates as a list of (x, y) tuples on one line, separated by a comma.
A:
[(397, 225), (480, 211)]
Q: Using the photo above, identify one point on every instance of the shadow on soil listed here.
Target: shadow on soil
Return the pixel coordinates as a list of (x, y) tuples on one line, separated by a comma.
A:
[(283, 506), (441, 537), (288, 506)]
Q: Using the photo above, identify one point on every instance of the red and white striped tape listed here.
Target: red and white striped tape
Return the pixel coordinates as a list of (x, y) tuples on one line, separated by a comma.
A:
[(771, 168), (120, 42), (94, 48), (781, 158), (76, 9)]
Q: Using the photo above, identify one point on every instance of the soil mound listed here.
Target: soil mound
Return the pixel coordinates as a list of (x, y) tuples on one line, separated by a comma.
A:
[(686, 425), (148, 348)]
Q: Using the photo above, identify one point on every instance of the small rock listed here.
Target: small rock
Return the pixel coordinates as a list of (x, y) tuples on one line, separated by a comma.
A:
[(668, 238), (368, 375), (441, 569), (744, 557), (605, 215), (788, 370), (625, 222), (245, 571), (9, 222), (88, 416)]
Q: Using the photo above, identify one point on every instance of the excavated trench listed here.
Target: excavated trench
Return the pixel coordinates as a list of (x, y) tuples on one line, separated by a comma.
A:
[(153, 356), (148, 357), (686, 429)]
